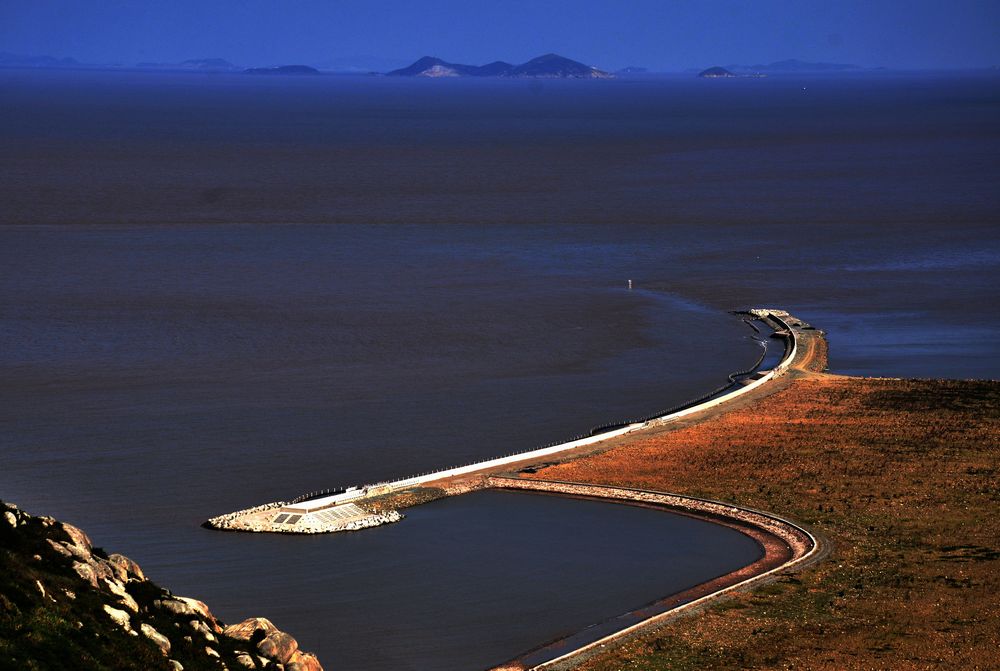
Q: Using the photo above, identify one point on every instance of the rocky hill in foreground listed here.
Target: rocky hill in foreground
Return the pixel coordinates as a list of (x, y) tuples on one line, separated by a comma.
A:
[(66, 604)]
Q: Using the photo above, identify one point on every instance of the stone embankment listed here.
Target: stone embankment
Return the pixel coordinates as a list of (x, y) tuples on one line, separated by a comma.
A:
[(61, 598), (800, 543)]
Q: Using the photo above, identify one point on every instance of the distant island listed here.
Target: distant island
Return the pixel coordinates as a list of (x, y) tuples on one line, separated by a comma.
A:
[(8, 59), (283, 70), (713, 72), (430, 66), (208, 63), (551, 66), (203, 64), (794, 65)]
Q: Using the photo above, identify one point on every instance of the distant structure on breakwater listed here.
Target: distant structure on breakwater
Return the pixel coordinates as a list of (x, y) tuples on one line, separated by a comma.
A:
[(344, 510)]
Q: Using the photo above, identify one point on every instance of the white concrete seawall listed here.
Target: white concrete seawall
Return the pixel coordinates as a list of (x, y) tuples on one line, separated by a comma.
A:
[(314, 515), (779, 316)]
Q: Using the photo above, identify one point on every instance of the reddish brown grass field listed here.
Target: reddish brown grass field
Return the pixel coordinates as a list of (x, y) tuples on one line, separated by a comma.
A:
[(900, 476)]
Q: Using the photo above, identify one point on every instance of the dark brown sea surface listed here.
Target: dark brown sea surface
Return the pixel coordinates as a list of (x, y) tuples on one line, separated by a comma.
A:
[(126, 147)]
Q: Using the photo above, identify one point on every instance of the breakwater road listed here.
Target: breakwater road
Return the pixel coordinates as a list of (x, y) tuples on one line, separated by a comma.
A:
[(352, 508)]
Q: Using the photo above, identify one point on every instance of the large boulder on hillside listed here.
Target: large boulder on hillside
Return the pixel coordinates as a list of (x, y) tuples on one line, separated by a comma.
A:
[(279, 646), (119, 617), (304, 662), (126, 568), (77, 537), (254, 629), (200, 608), (179, 605), (161, 641)]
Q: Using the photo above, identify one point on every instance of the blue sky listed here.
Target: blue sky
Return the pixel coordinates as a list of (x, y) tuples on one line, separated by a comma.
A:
[(660, 34)]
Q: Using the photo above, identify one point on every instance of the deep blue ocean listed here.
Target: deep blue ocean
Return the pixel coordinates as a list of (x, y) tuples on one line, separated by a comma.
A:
[(221, 290)]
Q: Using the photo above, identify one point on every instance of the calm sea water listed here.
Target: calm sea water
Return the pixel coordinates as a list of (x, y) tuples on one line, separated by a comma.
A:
[(221, 290)]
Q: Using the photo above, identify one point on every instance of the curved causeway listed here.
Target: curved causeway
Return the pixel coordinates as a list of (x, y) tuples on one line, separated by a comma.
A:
[(785, 545), (366, 506)]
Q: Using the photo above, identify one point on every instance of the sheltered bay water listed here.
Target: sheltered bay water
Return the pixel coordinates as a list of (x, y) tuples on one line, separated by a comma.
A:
[(470, 581)]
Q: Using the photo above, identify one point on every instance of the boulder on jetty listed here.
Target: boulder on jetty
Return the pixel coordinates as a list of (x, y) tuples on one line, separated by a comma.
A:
[(80, 603)]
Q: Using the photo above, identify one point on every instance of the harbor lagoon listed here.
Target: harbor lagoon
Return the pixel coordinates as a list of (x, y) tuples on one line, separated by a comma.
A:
[(468, 582)]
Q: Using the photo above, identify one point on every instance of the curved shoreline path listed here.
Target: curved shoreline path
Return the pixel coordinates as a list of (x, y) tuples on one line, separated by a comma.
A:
[(786, 546)]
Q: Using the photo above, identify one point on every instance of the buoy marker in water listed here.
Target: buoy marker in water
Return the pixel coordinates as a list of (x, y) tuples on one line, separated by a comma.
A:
[(630, 285)]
